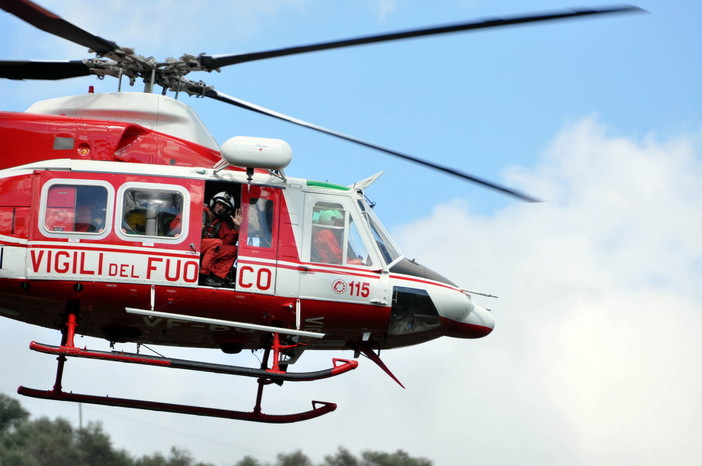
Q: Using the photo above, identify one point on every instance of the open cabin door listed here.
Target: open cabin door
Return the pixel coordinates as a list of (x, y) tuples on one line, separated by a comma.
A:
[(258, 241)]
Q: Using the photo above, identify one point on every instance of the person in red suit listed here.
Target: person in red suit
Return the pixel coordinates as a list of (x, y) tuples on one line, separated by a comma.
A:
[(325, 244), (220, 233)]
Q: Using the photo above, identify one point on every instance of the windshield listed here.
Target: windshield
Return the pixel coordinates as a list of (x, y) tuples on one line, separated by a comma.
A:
[(387, 248)]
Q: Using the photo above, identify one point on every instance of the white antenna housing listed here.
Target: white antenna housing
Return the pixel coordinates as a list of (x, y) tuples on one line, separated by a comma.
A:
[(251, 152)]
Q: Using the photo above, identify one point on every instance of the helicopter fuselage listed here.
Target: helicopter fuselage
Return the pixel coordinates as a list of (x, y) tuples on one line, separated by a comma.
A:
[(102, 211)]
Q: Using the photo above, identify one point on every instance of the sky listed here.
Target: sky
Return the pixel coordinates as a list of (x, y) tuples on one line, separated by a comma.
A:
[(594, 359)]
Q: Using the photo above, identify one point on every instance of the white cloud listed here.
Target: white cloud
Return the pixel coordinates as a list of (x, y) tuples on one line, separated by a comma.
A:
[(599, 294), (384, 8), (151, 26)]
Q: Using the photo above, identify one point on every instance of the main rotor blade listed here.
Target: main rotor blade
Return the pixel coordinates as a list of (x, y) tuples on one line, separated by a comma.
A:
[(52, 70), (53, 24), (217, 61), (258, 109)]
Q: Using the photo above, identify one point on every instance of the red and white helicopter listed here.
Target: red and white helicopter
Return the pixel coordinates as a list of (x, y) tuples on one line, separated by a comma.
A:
[(102, 199)]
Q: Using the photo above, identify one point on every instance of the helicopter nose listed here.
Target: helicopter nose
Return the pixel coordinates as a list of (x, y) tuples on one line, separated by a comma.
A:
[(477, 322), (459, 316)]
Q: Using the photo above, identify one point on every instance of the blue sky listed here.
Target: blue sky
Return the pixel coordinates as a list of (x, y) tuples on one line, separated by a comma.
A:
[(598, 285), (480, 101)]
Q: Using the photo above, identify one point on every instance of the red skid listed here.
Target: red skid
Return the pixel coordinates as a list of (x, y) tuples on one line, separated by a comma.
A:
[(339, 365), (319, 408)]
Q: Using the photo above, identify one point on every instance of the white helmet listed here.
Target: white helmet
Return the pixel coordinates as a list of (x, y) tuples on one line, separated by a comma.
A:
[(226, 199)]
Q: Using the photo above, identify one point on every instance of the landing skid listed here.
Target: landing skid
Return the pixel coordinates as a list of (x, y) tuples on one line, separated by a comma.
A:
[(319, 408), (265, 376)]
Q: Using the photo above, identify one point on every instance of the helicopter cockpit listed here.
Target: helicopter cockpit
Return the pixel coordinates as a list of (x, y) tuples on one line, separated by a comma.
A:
[(336, 238)]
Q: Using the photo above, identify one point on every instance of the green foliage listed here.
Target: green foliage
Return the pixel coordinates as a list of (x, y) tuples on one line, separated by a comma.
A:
[(248, 461), (11, 413), (296, 458), (46, 442), (178, 457), (399, 458), (343, 457), (374, 458)]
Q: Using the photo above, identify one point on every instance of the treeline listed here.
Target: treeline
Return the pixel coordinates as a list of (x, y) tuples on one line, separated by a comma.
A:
[(45, 442)]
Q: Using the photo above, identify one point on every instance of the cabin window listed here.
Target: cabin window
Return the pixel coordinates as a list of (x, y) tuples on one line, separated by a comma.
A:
[(260, 226), (335, 237), (75, 208), (152, 212)]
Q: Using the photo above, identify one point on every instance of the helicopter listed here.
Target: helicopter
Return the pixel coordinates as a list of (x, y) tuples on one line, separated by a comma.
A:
[(114, 209)]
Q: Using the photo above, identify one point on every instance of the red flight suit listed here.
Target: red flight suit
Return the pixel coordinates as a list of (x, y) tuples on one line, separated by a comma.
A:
[(218, 249), (326, 247)]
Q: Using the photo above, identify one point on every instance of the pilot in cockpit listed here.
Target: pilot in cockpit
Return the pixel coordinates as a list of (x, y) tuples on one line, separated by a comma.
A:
[(326, 246)]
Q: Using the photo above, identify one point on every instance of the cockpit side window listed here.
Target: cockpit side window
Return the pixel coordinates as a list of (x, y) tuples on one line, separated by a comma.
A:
[(328, 227), (335, 237), (356, 252), (387, 248)]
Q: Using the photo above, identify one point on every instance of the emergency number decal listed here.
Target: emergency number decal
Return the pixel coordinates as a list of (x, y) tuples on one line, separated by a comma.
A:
[(339, 286), (354, 288)]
